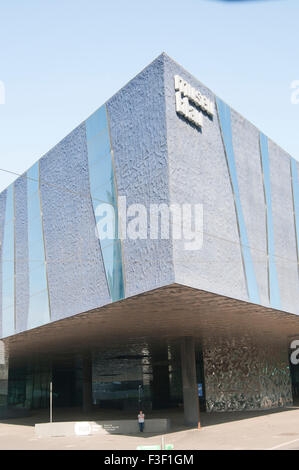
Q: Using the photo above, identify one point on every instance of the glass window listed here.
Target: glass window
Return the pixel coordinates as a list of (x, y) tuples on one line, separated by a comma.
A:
[(113, 262), (102, 190), (38, 279), (225, 125), (97, 122), (39, 303), (101, 172), (34, 206), (32, 180), (8, 267), (105, 193), (8, 292), (38, 309), (8, 244), (99, 147), (273, 279)]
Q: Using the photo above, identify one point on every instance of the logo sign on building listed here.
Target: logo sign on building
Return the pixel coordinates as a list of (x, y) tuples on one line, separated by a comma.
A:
[(190, 102)]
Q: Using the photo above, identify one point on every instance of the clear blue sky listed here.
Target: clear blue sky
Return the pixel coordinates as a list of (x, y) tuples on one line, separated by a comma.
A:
[(61, 59)]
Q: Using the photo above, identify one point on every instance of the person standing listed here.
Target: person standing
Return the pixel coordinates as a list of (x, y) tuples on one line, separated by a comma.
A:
[(141, 421)]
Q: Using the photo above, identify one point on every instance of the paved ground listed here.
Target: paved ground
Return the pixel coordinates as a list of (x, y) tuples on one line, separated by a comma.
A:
[(277, 430)]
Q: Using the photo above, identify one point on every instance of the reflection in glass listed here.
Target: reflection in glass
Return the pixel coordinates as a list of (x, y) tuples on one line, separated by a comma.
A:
[(103, 170), (295, 186), (38, 301), (8, 267), (274, 293), (225, 124), (102, 190), (99, 145)]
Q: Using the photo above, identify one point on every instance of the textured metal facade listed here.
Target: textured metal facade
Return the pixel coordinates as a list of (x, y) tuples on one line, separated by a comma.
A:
[(226, 131), (274, 295), (241, 374), (78, 272), (22, 254), (157, 157)]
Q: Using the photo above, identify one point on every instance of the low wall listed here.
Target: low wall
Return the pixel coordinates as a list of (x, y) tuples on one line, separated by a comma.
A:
[(86, 428)]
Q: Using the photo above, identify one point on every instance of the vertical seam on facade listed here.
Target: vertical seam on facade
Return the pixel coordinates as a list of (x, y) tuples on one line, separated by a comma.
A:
[(116, 194), (44, 243)]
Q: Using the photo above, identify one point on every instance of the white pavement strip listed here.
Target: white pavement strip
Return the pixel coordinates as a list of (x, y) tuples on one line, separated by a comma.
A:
[(283, 445)]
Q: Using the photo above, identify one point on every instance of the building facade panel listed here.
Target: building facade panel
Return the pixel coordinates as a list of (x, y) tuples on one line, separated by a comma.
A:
[(248, 167), (22, 254), (274, 289), (39, 312), (76, 274), (284, 228), (103, 192), (199, 175), (241, 374), (8, 265), (2, 223), (154, 157), (295, 193), (164, 142), (139, 142)]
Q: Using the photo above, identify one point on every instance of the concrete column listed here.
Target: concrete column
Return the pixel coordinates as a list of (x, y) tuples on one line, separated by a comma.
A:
[(87, 383), (160, 384), (3, 377), (190, 394)]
